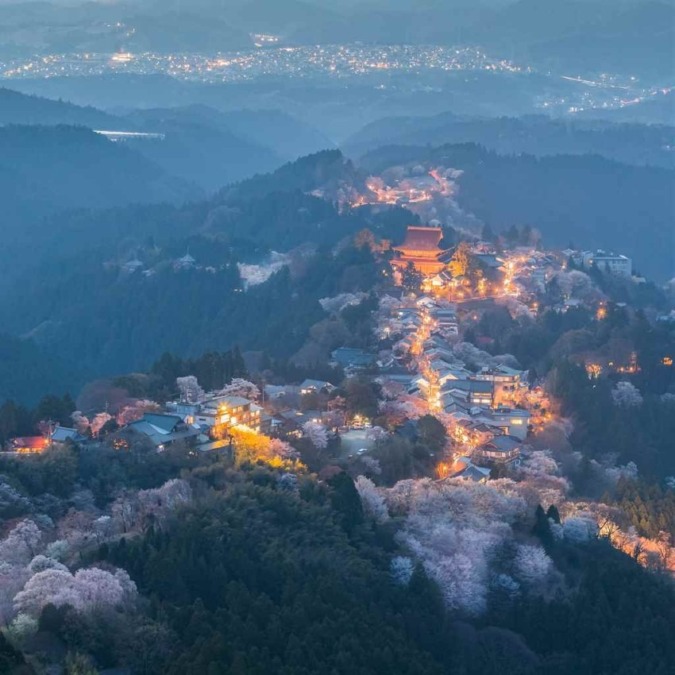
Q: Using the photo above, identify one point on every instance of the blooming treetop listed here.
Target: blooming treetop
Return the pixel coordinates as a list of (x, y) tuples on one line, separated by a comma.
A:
[(626, 395), (316, 433), (189, 389), (240, 387)]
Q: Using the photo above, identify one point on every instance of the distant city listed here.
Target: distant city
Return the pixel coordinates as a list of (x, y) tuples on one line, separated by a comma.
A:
[(403, 67)]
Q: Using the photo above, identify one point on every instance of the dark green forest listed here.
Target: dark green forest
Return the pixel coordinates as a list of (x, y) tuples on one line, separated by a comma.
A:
[(536, 135), (261, 574), (47, 168), (586, 200), (79, 307)]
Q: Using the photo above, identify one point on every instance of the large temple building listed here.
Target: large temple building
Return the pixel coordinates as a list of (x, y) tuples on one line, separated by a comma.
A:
[(421, 248)]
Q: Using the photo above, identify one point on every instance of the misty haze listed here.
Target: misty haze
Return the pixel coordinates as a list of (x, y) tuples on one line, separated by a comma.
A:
[(338, 337)]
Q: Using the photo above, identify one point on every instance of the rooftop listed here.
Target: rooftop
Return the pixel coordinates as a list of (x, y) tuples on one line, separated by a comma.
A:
[(422, 238), (229, 401), (474, 386), (316, 384), (164, 423), (31, 442), (62, 434)]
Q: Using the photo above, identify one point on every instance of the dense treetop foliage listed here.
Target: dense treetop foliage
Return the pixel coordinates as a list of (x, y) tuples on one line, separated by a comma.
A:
[(535, 135), (587, 199)]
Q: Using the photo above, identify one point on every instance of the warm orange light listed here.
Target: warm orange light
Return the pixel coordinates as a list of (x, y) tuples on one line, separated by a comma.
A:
[(443, 470), (593, 370)]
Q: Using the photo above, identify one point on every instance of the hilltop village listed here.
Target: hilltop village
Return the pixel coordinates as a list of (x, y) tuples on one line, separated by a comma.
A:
[(425, 365), (471, 426)]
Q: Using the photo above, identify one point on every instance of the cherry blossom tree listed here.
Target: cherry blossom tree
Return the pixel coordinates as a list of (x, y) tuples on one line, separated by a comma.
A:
[(134, 511), (76, 528), (98, 588), (407, 407), (375, 433), (241, 387), (317, 434), (103, 528), (390, 390), (189, 389), (282, 449), (86, 590), (125, 511), (40, 563), (135, 410), (575, 284), (12, 502), (21, 544), (532, 565), (517, 309), (98, 422), (473, 358), (454, 529), (50, 586), (371, 499), (156, 505), (254, 275), (337, 303), (81, 422), (541, 479), (626, 395), (12, 580), (580, 529)]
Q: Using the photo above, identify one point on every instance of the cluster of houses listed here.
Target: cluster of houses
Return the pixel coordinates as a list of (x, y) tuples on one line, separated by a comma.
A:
[(481, 405), (477, 405), (203, 425), (612, 263), (54, 437), (183, 263)]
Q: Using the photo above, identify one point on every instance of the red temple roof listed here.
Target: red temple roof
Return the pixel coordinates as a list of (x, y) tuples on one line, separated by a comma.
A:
[(422, 239)]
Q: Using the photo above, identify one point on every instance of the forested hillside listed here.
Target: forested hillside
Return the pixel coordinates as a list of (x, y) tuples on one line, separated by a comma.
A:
[(535, 135), (201, 145), (587, 200), (118, 319), (26, 371), (18, 108), (44, 169), (258, 570)]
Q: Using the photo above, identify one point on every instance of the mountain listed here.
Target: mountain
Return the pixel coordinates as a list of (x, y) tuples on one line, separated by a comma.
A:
[(286, 135), (26, 371), (175, 32), (270, 16), (585, 199), (637, 41), (198, 151), (659, 109), (42, 28), (44, 169), (18, 108), (536, 135), (118, 318), (583, 37), (214, 148), (326, 170)]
